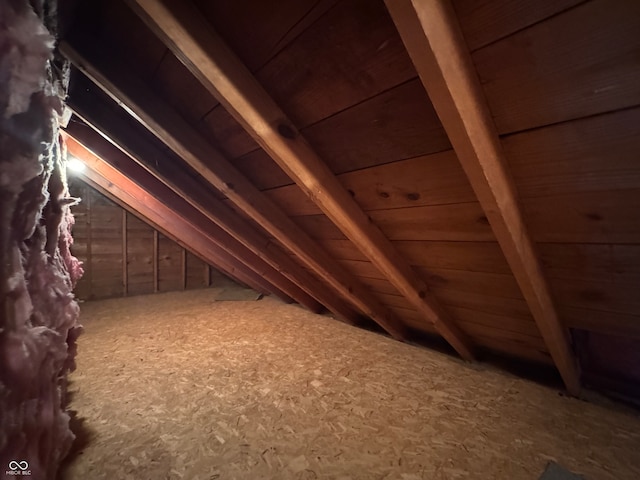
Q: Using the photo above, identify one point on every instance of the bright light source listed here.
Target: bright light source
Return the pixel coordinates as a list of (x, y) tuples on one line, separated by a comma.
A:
[(75, 164)]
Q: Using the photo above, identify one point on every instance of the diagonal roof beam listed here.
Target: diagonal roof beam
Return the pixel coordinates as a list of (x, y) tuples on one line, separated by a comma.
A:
[(430, 31), (225, 243), (103, 176), (177, 134), (119, 128), (192, 40), (109, 190)]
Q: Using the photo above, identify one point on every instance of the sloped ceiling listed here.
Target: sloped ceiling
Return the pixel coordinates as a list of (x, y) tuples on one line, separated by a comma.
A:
[(304, 141)]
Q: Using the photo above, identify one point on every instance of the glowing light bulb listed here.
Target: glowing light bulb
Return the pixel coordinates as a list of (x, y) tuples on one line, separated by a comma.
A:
[(75, 164)]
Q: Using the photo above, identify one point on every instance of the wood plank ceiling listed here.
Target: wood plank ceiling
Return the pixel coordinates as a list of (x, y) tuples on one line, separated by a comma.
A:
[(300, 140)]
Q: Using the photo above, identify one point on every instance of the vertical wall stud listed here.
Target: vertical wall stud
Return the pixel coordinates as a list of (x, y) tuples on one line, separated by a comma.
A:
[(155, 261), (125, 259)]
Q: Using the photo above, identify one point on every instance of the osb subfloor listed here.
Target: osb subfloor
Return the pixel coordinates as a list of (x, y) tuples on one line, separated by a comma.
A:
[(176, 386)]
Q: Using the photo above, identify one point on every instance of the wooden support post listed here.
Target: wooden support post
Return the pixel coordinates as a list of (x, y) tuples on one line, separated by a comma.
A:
[(125, 259), (204, 53), (430, 31), (155, 262), (88, 268), (183, 268), (207, 275)]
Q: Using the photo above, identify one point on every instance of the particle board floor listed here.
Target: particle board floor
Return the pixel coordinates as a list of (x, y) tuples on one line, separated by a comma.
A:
[(176, 386)]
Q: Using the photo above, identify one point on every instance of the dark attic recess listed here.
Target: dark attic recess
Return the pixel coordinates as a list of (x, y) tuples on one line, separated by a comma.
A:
[(435, 191)]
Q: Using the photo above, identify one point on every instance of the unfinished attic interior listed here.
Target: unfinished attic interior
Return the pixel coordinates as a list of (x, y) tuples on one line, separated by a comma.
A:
[(340, 239)]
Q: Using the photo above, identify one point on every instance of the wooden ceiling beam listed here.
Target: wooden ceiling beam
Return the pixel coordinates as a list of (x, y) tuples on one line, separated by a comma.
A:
[(179, 136), (122, 130), (204, 53), (125, 165), (107, 179), (432, 36)]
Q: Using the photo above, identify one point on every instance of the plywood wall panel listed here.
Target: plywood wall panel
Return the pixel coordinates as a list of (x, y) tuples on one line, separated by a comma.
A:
[(98, 243), (169, 265), (139, 256), (195, 272)]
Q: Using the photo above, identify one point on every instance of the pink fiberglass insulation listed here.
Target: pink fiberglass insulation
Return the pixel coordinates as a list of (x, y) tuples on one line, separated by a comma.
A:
[(38, 313)]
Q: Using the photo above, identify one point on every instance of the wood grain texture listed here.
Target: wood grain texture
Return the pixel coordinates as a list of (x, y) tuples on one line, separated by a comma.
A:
[(220, 238), (194, 269), (223, 131), (395, 125), (169, 265), (232, 234), (494, 284), (173, 82), (125, 256), (427, 180), (140, 255), (590, 154), (610, 263), (485, 21), (455, 222), (578, 63), (432, 35), (612, 323), (158, 214), (210, 60), (352, 53), (156, 239), (179, 136), (589, 217), (514, 350), (510, 307), (598, 294), (261, 170), (472, 256), (256, 30)]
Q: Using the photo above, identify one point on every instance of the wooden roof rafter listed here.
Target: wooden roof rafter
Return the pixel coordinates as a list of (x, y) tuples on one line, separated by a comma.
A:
[(224, 242), (432, 36), (207, 57), (180, 137), (106, 179)]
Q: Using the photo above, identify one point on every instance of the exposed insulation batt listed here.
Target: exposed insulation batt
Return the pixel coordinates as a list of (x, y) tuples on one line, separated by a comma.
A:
[(38, 320)]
